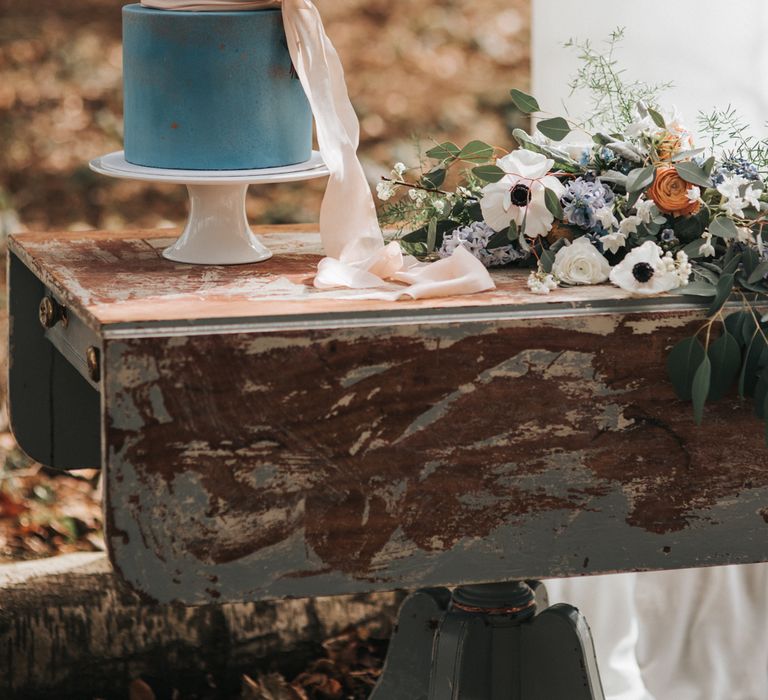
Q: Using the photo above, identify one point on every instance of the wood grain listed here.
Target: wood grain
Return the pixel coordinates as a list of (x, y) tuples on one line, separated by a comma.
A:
[(262, 439), (121, 278), (338, 460)]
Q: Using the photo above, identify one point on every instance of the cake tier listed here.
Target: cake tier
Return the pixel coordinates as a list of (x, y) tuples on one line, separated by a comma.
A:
[(211, 91)]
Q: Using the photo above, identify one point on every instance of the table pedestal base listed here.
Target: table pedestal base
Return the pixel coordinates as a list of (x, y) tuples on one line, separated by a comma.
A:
[(489, 642)]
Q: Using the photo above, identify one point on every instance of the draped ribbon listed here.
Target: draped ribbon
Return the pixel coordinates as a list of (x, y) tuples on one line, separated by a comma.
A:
[(358, 257)]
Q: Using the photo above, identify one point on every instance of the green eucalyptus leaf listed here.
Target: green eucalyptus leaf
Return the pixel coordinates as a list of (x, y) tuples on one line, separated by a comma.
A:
[(725, 359), (693, 249), (697, 288), (709, 166), (546, 260), (731, 260), (420, 235), (556, 128), (525, 103), (758, 273), (750, 259), (724, 228), (689, 228), (748, 329), (512, 234), (431, 235), (488, 173), (722, 292), (476, 152), (758, 287), (700, 388), (445, 151), (553, 203), (497, 240), (690, 172), (632, 198), (754, 359), (700, 270), (658, 120), (761, 395), (640, 178), (626, 151), (685, 155), (614, 177), (434, 178), (734, 324), (682, 363)]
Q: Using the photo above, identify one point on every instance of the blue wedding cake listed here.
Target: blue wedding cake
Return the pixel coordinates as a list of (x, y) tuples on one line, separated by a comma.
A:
[(211, 91)]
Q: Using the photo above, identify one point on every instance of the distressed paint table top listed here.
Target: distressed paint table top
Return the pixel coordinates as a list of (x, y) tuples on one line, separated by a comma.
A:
[(263, 439), (121, 278)]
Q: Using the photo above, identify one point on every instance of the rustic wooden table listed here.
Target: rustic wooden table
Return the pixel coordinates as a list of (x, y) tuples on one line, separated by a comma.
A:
[(262, 439)]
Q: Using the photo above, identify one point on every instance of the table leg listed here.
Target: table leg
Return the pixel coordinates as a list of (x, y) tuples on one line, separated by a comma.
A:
[(489, 642)]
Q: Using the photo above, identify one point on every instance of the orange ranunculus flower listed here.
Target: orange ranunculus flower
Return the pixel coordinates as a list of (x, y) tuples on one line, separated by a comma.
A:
[(668, 145), (669, 193)]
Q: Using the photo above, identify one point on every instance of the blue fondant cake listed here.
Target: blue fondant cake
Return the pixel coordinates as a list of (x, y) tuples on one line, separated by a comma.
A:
[(211, 91)]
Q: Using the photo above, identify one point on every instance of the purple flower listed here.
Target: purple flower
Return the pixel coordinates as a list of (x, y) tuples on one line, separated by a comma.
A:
[(582, 199), (475, 238)]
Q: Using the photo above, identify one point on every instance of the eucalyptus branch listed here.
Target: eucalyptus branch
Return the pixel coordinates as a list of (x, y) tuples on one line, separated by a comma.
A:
[(414, 186)]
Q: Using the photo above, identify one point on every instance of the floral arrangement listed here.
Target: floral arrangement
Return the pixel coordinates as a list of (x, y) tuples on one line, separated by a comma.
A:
[(628, 199)]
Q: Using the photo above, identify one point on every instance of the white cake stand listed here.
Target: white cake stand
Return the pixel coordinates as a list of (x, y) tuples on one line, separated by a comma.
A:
[(217, 230)]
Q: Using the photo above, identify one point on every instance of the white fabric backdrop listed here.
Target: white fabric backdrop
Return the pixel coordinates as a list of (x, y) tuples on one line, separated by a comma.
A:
[(695, 634), (714, 51)]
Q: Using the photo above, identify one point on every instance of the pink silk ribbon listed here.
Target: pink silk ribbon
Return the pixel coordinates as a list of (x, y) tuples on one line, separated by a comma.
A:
[(358, 257)]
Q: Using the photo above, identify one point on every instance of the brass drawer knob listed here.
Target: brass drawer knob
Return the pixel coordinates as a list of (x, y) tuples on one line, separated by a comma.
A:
[(92, 359), (51, 312)]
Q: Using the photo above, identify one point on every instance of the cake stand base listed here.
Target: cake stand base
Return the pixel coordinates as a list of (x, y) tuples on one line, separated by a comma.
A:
[(217, 230)]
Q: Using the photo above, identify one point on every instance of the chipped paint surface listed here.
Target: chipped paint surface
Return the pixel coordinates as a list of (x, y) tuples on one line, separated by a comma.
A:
[(382, 457), (364, 444), (122, 278)]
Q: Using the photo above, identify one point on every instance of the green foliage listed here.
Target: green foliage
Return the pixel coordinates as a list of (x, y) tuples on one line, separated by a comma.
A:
[(722, 292), (434, 178), (700, 388), (725, 359), (724, 240), (723, 227), (444, 151), (556, 128), (525, 103), (640, 178), (553, 203), (488, 173), (614, 97), (690, 172), (431, 234), (682, 362), (476, 152)]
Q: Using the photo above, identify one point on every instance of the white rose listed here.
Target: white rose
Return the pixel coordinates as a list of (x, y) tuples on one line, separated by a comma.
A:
[(580, 263)]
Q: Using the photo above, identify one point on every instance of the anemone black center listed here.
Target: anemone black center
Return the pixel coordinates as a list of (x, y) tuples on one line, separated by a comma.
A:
[(642, 272), (521, 195)]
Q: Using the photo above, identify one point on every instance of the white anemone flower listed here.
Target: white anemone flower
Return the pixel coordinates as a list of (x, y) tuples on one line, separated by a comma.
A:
[(519, 195), (645, 272)]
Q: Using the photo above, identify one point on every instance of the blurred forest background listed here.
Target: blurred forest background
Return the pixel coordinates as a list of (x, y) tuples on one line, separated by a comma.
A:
[(418, 72)]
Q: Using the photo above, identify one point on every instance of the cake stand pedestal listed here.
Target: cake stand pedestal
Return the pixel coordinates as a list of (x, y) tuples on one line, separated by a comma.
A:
[(217, 230)]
